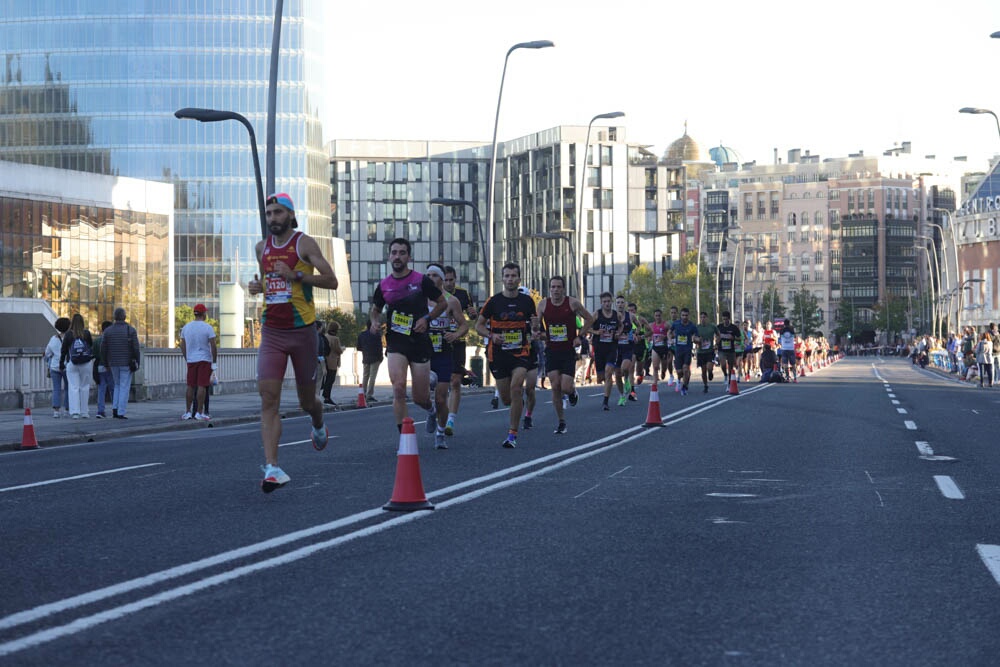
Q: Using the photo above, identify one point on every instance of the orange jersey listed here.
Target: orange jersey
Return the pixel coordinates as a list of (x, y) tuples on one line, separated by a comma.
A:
[(287, 304)]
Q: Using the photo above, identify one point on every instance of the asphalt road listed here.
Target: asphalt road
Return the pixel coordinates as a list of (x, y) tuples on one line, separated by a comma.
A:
[(848, 519)]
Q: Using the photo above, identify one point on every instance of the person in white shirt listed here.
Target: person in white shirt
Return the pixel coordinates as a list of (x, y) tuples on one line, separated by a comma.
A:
[(60, 385), (201, 354), (786, 343)]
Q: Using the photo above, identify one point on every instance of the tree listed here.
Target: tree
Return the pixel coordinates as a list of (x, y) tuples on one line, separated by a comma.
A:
[(348, 321), (771, 304), (847, 319), (890, 316), (806, 311), (643, 289), (183, 315)]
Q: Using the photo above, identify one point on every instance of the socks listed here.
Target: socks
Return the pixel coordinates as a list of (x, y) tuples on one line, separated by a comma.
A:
[(451, 416)]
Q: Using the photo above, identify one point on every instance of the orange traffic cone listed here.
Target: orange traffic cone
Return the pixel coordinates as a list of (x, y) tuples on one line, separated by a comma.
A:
[(653, 417), (362, 403), (408, 492), (802, 371), (28, 440), (734, 385)]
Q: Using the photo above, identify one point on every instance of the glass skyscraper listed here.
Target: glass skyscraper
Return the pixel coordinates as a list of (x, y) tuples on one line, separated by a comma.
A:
[(92, 85)]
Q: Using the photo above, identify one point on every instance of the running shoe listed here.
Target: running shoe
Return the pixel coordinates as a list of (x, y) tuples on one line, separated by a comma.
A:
[(711, 374), (671, 382), (449, 427), (319, 437), (574, 398), (186, 416), (56, 414), (622, 400), (705, 391), (605, 405), (560, 429), (511, 441), (439, 442), (202, 418), (632, 396), (684, 391), (495, 402), (527, 422), (431, 419), (274, 477), (100, 415)]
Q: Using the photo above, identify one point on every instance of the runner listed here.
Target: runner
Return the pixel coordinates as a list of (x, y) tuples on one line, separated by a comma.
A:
[(505, 321), (292, 265), (671, 347), (730, 341), (685, 332), (531, 377), (626, 352), (607, 327), (405, 293), (786, 341), (642, 353), (458, 369), (445, 329), (658, 337), (559, 316), (707, 336)]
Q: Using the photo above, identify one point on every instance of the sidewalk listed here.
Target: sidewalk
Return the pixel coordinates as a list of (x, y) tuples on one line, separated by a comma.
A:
[(158, 416)]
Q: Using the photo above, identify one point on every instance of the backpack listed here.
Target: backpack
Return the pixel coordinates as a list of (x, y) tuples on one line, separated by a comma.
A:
[(324, 346), (80, 352)]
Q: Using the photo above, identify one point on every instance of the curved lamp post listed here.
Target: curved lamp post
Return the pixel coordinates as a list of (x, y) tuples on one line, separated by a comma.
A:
[(954, 242), (582, 168), (930, 281), (935, 296), (976, 110), (961, 300), (214, 116), (537, 44), (445, 201)]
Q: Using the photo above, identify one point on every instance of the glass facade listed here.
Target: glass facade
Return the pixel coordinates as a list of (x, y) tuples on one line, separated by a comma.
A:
[(88, 260), (92, 85)]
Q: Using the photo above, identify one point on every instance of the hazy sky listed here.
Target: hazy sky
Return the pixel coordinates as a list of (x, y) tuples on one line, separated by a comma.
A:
[(829, 77)]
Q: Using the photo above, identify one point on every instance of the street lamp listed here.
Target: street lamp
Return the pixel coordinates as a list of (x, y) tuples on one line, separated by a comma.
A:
[(954, 240), (272, 95), (582, 168), (746, 253), (572, 252), (445, 201), (718, 263), (976, 110), (537, 44), (214, 116), (930, 282), (961, 299)]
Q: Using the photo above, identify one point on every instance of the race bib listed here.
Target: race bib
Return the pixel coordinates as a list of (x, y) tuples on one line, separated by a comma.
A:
[(682, 340), (727, 344), (558, 333), (657, 339), (606, 336), (277, 290), (511, 340), (402, 323), (706, 344), (436, 341)]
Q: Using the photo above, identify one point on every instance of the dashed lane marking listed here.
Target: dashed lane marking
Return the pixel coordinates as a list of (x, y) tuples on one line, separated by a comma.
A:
[(990, 553), (910, 425), (948, 487), (74, 477)]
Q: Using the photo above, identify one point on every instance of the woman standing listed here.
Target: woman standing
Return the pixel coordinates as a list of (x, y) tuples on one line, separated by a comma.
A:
[(77, 358), (332, 360), (984, 357), (60, 388)]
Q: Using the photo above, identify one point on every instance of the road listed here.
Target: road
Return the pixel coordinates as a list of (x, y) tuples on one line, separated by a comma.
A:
[(848, 519)]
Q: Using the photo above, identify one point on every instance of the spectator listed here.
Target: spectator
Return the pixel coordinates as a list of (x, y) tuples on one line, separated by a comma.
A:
[(995, 337), (370, 346), (952, 348), (768, 365), (984, 357), (60, 386), (201, 354), (322, 349), (102, 375), (331, 360), (77, 359), (120, 351)]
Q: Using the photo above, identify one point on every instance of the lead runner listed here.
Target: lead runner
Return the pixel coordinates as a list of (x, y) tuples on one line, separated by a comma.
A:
[(559, 314)]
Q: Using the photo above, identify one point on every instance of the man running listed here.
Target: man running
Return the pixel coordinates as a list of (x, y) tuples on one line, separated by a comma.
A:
[(531, 377), (559, 314), (730, 345), (668, 359), (405, 294), (707, 335), (658, 335), (642, 353), (685, 332), (292, 265), (607, 327), (626, 352), (458, 370), (786, 343), (444, 331), (505, 321)]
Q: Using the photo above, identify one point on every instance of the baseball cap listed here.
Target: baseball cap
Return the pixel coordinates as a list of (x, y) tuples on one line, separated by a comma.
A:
[(200, 308), (524, 290), (281, 198)]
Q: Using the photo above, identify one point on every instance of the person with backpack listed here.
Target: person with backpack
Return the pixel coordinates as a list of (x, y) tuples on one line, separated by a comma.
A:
[(60, 387), (77, 360), (120, 351)]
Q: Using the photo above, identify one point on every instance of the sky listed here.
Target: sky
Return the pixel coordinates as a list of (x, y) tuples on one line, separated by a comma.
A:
[(833, 78)]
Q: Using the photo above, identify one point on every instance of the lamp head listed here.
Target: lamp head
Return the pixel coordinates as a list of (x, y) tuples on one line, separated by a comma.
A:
[(973, 110), (536, 44)]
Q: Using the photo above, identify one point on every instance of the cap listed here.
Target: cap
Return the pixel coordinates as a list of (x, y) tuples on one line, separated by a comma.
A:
[(281, 198), (524, 290), (200, 308)]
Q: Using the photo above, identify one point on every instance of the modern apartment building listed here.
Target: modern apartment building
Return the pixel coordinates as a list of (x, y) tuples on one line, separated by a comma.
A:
[(92, 85)]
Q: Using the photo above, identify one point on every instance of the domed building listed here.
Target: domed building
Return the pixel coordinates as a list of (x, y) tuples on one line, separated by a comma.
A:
[(722, 154), (685, 149)]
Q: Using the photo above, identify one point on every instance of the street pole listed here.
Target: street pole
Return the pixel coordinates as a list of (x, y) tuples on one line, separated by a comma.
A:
[(697, 268), (954, 245), (272, 95), (538, 44)]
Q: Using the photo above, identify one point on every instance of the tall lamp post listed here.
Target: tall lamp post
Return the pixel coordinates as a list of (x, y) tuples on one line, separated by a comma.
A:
[(976, 110), (582, 168), (445, 201), (743, 274), (930, 282), (718, 263), (954, 242), (961, 300), (936, 274), (537, 44), (214, 116), (572, 253), (272, 95)]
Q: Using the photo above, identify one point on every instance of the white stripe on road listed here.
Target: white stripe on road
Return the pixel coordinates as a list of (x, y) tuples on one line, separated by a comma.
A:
[(924, 448), (901, 411), (990, 553), (892, 396), (948, 487), (68, 479), (894, 402), (911, 425), (299, 442), (611, 442)]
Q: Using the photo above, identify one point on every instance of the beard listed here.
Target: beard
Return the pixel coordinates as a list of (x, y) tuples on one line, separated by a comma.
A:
[(278, 228)]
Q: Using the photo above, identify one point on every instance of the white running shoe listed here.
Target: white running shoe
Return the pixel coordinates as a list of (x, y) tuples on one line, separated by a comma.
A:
[(202, 418), (186, 416), (274, 477)]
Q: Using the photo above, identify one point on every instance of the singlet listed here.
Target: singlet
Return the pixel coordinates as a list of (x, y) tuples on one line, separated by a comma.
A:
[(659, 333), (605, 328), (287, 305), (787, 341), (627, 336), (729, 337), (560, 325), (464, 299), (511, 318), (407, 299), (770, 337), (438, 327)]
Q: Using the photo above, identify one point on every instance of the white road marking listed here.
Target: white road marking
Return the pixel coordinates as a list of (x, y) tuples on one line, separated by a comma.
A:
[(892, 396), (901, 411), (299, 442), (731, 495), (569, 457), (67, 479), (895, 402), (976, 412), (620, 471), (911, 425), (948, 487), (585, 492), (924, 448), (990, 553)]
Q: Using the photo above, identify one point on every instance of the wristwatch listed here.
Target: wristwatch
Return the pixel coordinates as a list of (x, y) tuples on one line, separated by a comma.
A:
[(299, 276)]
